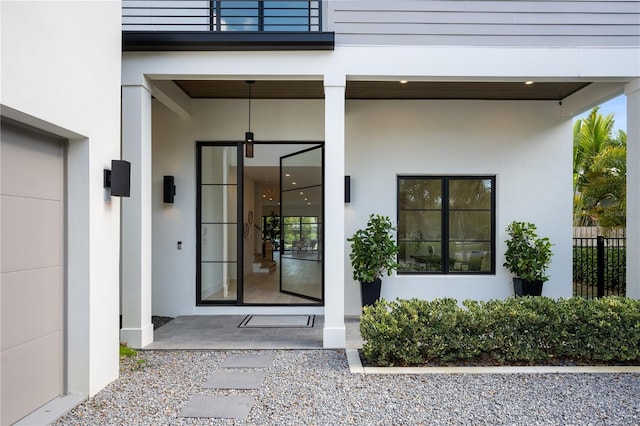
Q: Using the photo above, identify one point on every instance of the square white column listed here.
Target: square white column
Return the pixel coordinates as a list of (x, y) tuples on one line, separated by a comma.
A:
[(137, 329), (334, 335), (632, 91)]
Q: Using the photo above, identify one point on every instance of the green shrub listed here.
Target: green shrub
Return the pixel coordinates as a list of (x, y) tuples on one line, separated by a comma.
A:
[(524, 330)]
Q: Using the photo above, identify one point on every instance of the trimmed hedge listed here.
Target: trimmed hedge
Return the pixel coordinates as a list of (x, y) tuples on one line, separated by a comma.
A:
[(518, 331)]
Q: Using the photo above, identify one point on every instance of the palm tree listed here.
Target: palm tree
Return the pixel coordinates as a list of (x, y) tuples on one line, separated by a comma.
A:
[(599, 172)]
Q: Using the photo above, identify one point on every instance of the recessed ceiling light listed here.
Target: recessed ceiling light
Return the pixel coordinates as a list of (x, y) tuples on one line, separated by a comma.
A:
[(287, 174), (529, 82), (293, 183), (404, 81)]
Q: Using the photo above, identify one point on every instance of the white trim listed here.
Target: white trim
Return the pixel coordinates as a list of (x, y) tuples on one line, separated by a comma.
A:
[(355, 367)]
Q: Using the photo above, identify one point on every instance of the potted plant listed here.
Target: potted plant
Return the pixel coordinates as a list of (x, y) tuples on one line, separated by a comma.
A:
[(527, 257), (373, 253), (272, 228)]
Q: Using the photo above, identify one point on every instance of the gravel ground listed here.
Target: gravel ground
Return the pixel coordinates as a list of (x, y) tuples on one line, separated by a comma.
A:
[(315, 387)]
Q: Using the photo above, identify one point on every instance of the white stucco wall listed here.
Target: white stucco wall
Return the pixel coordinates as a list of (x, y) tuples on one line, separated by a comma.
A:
[(527, 145), (60, 72)]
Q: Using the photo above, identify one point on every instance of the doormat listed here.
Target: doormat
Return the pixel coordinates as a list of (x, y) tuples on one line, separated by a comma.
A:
[(277, 321)]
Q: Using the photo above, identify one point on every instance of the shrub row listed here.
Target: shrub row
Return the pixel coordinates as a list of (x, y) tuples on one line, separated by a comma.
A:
[(518, 331)]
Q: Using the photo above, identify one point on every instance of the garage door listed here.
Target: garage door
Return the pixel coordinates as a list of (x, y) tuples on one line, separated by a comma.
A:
[(32, 259)]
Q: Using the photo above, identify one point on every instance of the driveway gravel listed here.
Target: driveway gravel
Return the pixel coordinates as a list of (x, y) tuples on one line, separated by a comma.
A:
[(315, 387)]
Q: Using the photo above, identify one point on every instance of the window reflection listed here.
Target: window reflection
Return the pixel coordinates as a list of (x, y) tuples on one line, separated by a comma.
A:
[(453, 237)]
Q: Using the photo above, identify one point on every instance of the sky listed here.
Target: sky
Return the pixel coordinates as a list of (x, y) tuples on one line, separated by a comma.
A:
[(617, 106)]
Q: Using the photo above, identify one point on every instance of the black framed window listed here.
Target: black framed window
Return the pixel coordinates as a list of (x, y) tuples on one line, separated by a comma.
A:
[(446, 224)]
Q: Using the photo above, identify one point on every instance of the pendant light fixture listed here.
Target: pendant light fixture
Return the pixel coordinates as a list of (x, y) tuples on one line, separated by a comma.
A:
[(248, 136)]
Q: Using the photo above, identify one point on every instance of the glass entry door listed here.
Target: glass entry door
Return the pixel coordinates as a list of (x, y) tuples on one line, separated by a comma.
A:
[(301, 210)]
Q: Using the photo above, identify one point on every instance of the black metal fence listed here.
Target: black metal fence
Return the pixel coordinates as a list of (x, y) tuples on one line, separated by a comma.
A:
[(227, 15), (599, 267)]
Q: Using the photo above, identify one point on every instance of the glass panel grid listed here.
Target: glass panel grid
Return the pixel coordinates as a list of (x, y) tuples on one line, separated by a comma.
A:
[(217, 215), (466, 221)]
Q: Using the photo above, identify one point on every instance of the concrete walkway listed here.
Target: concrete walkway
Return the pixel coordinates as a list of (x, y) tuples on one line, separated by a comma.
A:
[(227, 332)]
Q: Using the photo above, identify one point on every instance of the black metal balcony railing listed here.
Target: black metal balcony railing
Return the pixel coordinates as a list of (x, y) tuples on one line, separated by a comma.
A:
[(219, 16)]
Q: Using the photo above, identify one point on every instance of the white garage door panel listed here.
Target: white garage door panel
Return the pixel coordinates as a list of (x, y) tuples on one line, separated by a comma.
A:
[(19, 324), (31, 374), (33, 238), (43, 176)]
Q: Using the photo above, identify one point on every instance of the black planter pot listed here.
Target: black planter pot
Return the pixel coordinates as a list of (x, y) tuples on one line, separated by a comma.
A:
[(370, 292), (527, 288)]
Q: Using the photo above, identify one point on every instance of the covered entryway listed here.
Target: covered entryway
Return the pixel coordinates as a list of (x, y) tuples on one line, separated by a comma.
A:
[(160, 241), (32, 261)]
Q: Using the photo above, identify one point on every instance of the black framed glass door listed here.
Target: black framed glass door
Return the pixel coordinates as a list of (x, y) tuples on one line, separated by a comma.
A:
[(301, 218), (240, 263)]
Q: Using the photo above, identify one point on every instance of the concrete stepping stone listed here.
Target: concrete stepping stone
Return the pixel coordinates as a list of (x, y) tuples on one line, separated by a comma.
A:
[(248, 361), (218, 407), (235, 380)]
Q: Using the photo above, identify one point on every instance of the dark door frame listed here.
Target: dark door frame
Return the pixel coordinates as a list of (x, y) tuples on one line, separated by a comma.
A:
[(239, 220)]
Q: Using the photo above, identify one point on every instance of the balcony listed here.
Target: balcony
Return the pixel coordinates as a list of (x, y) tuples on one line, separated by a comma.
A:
[(224, 25)]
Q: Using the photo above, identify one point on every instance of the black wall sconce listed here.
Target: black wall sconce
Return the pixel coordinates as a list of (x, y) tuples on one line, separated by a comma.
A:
[(347, 189), (118, 178), (169, 189)]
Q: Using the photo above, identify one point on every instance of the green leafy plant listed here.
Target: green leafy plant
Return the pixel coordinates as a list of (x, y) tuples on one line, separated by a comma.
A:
[(373, 250), (518, 331), (126, 351), (272, 227), (528, 256), (129, 353)]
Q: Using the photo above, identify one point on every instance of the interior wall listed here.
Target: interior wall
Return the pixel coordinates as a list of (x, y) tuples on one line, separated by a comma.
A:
[(174, 153), (527, 145)]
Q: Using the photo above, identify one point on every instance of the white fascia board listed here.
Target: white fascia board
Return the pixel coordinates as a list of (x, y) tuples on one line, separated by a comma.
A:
[(497, 63), (426, 63), (227, 65)]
